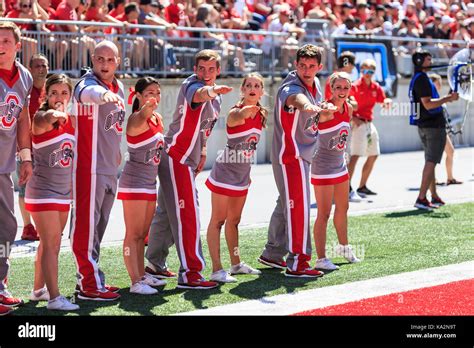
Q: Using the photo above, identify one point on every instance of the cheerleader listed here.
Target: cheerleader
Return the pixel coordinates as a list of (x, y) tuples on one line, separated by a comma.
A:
[(329, 173), (137, 184), (48, 194), (230, 177)]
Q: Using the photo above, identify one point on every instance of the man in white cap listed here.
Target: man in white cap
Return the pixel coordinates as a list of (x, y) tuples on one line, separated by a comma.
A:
[(446, 23)]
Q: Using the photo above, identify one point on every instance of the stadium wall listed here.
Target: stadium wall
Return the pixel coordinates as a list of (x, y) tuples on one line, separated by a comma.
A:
[(396, 135)]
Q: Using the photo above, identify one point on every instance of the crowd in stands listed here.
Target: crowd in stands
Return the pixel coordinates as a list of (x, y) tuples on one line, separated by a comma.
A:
[(437, 19)]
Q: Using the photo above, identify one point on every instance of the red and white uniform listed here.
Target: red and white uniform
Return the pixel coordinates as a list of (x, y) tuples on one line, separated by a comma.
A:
[(138, 178), (329, 164), (98, 134), (294, 144), (50, 187), (187, 135), (230, 175)]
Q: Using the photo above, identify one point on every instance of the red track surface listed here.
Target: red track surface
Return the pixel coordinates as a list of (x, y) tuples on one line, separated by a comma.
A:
[(456, 298)]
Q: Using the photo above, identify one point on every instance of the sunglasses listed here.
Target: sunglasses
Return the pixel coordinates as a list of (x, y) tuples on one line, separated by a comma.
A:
[(368, 72), (25, 5)]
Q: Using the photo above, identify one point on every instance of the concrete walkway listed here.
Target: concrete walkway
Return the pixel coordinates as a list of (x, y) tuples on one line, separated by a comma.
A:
[(396, 179)]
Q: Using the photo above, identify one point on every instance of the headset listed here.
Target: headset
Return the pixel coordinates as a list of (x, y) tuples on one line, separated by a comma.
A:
[(419, 57)]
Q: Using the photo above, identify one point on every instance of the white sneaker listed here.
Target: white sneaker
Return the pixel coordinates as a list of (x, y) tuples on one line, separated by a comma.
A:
[(152, 281), (354, 197), (143, 289), (222, 276), (325, 264), (60, 303), (243, 268), (346, 252), (40, 295)]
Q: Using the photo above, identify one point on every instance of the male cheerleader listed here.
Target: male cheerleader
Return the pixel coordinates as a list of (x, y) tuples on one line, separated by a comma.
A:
[(197, 109), (294, 140), (15, 88), (100, 109)]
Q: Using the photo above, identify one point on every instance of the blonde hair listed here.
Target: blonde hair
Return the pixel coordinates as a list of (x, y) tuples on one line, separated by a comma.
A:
[(435, 77), (339, 75), (263, 110), (369, 63), (13, 28)]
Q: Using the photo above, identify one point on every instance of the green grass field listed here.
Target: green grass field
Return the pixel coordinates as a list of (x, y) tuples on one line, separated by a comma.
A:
[(391, 243)]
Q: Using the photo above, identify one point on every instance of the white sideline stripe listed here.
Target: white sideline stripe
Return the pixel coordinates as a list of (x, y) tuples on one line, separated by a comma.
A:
[(338, 294)]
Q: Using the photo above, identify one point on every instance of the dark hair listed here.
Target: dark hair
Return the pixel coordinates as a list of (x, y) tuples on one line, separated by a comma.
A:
[(117, 3), (54, 79), (38, 56), (346, 57), (133, 6), (419, 57), (207, 55), (309, 51), (140, 86)]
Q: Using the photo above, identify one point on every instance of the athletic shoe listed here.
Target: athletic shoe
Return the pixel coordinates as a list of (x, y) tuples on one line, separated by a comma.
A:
[(272, 263), (346, 252), (195, 281), (4, 310), (222, 276), (8, 300), (424, 204), (325, 264), (152, 281), (98, 295), (40, 295), (159, 274), (243, 268), (364, 190), (437, 202), (60, 303), (29, 233), (143, 289), (111, 288), (304, 273), (453, 182), (354, 197)]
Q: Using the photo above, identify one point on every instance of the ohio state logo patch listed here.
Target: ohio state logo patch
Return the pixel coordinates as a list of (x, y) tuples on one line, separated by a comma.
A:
[(63, 156), (115, 119), (10, 110), (338, 142), (249, 146), (207, 125), (153, 156), (312, 124)]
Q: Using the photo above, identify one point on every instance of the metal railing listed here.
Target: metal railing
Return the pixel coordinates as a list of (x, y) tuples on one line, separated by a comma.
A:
[(156, 50)]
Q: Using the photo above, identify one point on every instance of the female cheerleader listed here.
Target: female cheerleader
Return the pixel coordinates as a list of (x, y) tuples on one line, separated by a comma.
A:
[(330, 176), (137, 184), (48, 194), (230, 177)]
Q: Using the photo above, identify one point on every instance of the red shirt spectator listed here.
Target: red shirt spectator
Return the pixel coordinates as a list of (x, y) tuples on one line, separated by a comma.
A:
[(93, 15), (55, 3), (36, 98), (173, 13), (366, 96), (16, 14), (123, 18), (9, 5), (65, 12), (327, 90)]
